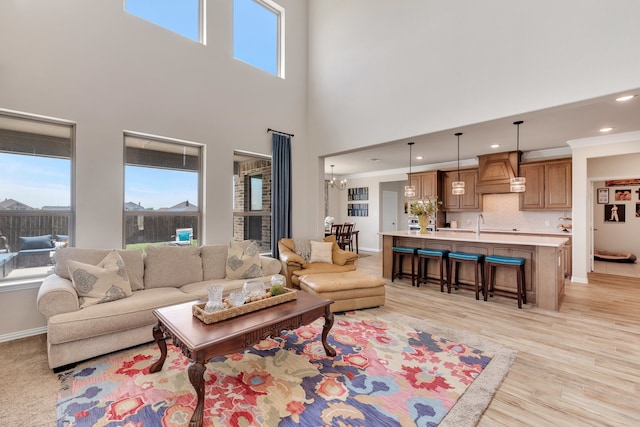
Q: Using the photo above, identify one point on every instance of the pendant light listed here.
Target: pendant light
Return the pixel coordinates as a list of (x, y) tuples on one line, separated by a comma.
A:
[(457, 187), (518, 183), (340, 186), (409, 190)]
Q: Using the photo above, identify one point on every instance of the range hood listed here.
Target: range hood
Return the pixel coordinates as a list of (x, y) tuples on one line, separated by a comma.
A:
[(495, 170)]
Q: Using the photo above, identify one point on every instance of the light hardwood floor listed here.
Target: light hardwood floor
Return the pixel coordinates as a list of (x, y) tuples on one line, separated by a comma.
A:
[(576, 367), (619, 269)]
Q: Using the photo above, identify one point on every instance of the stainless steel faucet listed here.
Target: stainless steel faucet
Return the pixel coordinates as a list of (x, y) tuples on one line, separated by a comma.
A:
[(480, 217)]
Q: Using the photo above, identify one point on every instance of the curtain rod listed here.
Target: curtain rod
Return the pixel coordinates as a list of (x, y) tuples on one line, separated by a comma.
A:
[(277, 131)]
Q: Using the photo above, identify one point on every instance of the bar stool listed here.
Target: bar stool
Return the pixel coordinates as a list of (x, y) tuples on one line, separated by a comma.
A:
[(398, 253), (455, 258), (424, 255), (516, 263)]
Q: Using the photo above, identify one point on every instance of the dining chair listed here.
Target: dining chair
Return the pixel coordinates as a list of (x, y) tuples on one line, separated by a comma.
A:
[(335, 230), (346, 236)]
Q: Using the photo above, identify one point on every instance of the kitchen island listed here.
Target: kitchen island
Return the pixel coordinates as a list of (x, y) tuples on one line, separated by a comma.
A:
[(544, 267)]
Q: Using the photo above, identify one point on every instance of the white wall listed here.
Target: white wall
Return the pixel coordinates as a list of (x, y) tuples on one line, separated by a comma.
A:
[(91, 63), (384, 70), (588, 152), (369, 226)]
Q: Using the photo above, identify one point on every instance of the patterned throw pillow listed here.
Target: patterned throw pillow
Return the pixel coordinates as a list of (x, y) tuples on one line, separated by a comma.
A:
[(243, 261), (95, 284), (321, 252)]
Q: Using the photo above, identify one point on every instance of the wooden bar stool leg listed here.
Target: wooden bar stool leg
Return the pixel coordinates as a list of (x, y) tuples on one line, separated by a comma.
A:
[(393, 266), (413, 270), (476, 281), (482, 274), (524, 287)]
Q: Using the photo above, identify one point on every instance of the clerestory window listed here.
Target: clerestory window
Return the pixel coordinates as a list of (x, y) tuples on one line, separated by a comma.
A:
[(184, 17), (258, 34)]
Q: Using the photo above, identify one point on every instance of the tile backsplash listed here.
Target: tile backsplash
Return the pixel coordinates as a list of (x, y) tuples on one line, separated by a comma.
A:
[(502, 211)]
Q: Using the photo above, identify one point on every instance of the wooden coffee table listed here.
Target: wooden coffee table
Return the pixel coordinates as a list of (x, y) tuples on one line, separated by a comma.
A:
[(200, 342)]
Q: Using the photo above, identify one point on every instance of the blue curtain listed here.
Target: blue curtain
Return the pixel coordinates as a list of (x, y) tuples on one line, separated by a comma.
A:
[(280, 190)]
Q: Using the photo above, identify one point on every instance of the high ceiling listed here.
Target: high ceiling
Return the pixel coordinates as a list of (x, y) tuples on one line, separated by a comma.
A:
[(542, 130)]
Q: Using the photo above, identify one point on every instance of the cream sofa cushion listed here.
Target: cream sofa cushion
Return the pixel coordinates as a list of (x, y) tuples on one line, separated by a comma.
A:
[(321, 252), (97, 284), (121, 315), (214, 260), (243, 261), (132, 258), (172, 266)]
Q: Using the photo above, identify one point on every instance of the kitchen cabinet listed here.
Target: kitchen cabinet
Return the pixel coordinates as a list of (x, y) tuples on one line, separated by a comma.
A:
[(548, 186), (470, 201), (568, 258), (426, 184)]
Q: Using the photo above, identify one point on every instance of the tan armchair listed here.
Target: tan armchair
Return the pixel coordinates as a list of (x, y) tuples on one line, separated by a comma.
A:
[(294, 266)]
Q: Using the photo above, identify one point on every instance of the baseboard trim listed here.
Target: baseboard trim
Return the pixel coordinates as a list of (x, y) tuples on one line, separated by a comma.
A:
[(23, 334)]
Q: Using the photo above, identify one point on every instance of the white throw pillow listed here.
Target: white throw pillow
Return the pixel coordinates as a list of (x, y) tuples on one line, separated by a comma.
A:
[(96, 284), (243, 261), (321, 252)]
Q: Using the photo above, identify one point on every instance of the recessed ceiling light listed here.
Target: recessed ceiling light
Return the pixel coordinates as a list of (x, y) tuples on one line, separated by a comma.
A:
[(605, 130), (374, 159), (419, 157), (625, 98), (495, 145)]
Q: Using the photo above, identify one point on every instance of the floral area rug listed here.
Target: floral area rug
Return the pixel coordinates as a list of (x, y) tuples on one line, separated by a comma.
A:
[(384, 374)]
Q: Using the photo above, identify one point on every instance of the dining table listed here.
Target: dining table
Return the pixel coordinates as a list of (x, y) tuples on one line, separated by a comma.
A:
[(354, 236)]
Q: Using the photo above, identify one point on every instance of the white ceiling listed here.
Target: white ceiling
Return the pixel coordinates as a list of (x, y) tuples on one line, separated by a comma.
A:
[(542, 130)]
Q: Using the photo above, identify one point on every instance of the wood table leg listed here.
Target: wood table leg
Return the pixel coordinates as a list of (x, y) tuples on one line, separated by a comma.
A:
[(158, 335), (196, 376), (328, 323)]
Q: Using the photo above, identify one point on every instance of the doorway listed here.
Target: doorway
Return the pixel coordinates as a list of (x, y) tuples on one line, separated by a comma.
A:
[(607, 233), (389, 210)]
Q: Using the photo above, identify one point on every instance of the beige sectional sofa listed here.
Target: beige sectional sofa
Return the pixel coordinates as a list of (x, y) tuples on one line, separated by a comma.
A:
[(165, 275)]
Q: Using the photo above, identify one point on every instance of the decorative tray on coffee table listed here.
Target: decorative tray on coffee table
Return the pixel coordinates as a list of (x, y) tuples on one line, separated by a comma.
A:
[(228, 313)]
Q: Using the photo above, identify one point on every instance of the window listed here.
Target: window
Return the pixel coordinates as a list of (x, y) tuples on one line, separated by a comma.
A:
[(162, 191), (255, 193), (36, 213), (258, 34), (252, 199), (184, 17)]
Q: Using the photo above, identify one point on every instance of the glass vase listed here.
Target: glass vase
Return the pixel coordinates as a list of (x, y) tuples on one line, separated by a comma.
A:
[(215, 299)]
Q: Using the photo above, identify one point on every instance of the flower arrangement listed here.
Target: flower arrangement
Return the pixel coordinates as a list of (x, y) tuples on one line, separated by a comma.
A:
[(422, 207), (328, 222)]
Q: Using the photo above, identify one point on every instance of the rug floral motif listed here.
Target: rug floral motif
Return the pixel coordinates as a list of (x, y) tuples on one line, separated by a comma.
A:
[(384, 374)]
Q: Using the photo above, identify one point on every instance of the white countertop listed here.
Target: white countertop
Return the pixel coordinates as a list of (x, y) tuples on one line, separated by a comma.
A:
[(485, 237), (545, 232)]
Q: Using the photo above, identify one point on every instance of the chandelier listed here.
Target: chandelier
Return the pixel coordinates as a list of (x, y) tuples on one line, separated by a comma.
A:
[(335, 184)]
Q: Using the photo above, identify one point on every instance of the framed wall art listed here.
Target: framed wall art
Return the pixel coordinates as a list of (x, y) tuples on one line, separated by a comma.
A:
[(622, 195), (614, 213), (622, 182), (603, 195)]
